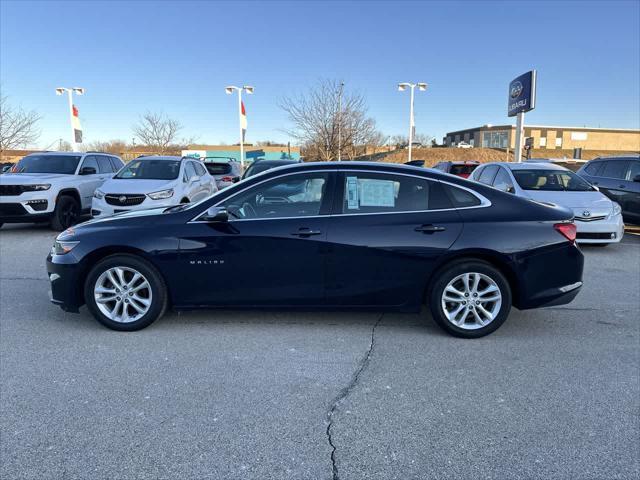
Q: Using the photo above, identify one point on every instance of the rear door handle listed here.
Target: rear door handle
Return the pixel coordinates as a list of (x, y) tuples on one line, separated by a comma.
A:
[(305, 232), (429, 228)]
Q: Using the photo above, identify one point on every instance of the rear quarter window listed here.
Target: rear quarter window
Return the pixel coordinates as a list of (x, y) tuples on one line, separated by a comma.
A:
[(461, 198)]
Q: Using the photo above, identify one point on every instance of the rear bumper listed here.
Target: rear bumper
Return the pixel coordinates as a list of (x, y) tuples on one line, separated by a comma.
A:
[(554, 296), (549, 277), (66, 290)]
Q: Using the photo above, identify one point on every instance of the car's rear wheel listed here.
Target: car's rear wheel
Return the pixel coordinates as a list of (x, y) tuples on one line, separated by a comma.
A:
[(66, 213), (470, 299), (125, 293)]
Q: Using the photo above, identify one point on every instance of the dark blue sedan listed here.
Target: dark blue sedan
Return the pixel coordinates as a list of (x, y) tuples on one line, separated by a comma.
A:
[(325, 236)]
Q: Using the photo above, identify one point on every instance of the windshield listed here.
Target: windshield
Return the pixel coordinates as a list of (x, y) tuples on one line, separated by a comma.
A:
[(550, 181), (218, 168), (462, 169), (65, 164), (151, 170)]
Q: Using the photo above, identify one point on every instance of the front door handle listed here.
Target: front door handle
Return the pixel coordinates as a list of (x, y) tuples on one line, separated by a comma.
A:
[(306, 232), (622, 186), (429, 228)]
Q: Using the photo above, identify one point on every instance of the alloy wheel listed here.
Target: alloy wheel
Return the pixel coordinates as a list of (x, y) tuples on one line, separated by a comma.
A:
[(471, 301), (122, 294)]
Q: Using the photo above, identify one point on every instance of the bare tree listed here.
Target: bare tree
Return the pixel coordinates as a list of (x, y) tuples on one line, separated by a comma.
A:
[(157, 130), (402, 141), (18, 127), (316, 117), (111, 146)]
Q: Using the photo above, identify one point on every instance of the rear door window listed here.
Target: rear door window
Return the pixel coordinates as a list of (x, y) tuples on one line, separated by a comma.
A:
[(104, 164), (488, 174), (116, 163), (615, 169), (200, 169), (370, 192), (503, 180)]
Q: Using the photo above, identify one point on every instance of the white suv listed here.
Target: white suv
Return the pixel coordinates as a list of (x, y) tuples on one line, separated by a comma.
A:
[(55, 187), (152, 182)]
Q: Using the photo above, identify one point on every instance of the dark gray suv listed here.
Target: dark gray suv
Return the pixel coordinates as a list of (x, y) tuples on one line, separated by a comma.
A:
[(619, 179)]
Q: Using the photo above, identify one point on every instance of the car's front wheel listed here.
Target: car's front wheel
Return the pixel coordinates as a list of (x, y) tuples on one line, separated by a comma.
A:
[(66, 213), (470, 299), (126, 293)]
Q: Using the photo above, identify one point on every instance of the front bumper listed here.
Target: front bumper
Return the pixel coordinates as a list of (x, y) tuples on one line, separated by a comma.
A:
[(26, 207), (100, 208), (64, 277), (608, 230)]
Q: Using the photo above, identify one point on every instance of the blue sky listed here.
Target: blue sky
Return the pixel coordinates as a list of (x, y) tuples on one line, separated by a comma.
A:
[(176, 58)]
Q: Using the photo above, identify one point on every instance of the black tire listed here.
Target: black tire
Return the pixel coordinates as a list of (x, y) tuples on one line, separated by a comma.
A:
[(450, 271), (159, 297), (66, 213)]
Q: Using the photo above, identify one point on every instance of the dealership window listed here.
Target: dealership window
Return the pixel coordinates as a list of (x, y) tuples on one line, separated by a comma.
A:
[(543, 142), (498, 139), (368, 192), (289, 196), (559, 140)]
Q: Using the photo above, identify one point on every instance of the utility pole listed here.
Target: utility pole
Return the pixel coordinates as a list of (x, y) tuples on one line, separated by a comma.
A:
[(402, 87), (340, 122)]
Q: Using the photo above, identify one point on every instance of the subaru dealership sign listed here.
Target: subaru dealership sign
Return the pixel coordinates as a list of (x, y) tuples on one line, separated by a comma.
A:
[(522, 94)]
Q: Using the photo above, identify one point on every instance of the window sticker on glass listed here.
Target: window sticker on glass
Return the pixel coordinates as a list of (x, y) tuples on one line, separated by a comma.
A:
[(352, 193), (377, 193)]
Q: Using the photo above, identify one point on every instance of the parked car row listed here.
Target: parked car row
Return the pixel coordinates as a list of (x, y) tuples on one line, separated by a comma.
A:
[(60, 187), (600, 219)]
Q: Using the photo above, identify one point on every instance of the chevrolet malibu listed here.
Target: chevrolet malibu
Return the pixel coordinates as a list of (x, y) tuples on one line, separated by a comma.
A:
[(326, 236)]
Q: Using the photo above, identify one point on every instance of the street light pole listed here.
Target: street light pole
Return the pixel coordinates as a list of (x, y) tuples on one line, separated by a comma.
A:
[(229, 90), (340, 122), (402, 87), (70, 92)]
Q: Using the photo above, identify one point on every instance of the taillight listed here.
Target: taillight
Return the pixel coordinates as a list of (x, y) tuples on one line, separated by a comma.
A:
[(227, 179), (568, 230)]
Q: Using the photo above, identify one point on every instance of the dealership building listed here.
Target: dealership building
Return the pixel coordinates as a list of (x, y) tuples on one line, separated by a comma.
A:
[(251, 153), (504, 136)]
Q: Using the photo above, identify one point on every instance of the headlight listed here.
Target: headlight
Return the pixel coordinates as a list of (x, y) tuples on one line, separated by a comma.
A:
[(62, 248), (617, 209), (98, 194), (36, 188), (161, 194)]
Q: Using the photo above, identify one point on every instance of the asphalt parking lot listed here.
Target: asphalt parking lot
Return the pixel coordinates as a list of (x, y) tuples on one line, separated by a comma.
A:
[(554, 393)]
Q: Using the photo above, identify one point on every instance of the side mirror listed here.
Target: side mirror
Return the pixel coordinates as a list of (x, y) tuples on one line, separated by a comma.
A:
[(216, 215), (235, 179), (595, 188), (88, 171), (510, 189), (636, 178)]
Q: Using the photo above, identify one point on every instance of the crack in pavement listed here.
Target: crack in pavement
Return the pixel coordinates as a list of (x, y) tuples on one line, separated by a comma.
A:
[(344, 393)]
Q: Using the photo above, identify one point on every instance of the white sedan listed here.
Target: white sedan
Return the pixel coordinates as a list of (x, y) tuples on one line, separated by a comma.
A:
[(598, 219), (153, 182)]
